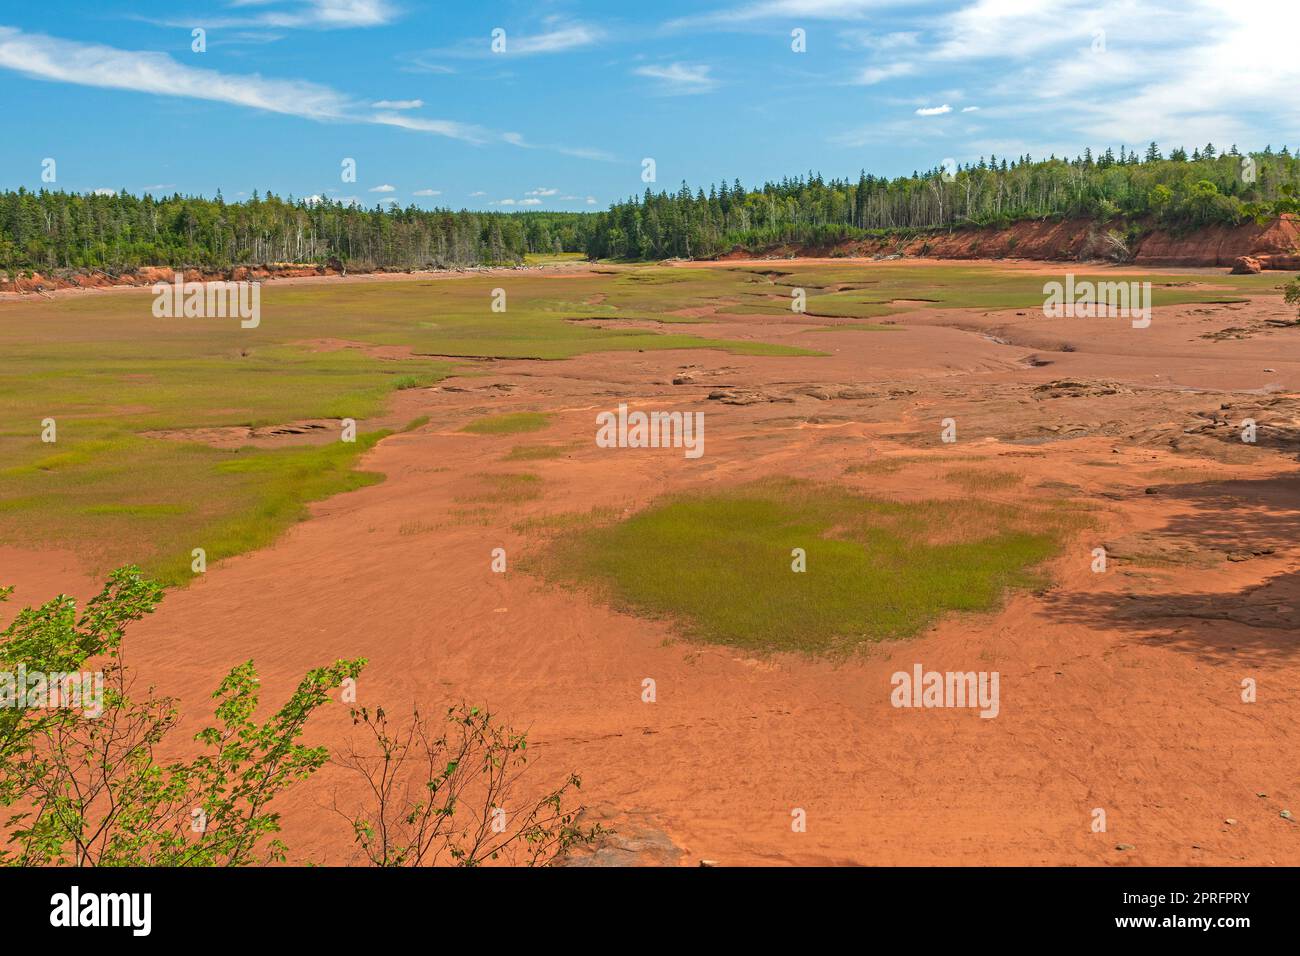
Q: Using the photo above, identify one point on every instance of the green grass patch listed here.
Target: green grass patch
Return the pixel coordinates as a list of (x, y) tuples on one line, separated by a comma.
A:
[(886, 466), (509, 488), (107, 370), (278, 485), (566, 521), (719, 564), (860, 327), (138, 511), (511, 423), (982, 479), (537, 452)]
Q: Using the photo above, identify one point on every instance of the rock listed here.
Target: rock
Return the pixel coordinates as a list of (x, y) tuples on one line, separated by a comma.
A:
[(634, 841), (1230, 822), (742, 396), (1285, 814), (1245, 266), (1069, 388), (1125, 846)]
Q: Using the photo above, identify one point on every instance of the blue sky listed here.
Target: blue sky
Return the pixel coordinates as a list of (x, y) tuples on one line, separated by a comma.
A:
[(583, 92)]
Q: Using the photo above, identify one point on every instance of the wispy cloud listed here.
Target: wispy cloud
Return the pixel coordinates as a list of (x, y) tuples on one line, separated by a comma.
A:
[(427, 192), (743, 14), (871, 75), (397, 104), (557, 37), (677, 79), (1181, 72), (578, 152), (321, 14), (467, 132), (90, 64), (417, 63), (568, 37), (933, 110), (385, 188)]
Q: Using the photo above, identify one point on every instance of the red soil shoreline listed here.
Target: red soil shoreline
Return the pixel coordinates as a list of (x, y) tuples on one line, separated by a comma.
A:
[(1247, 247), (1275, 245), (144, 278)]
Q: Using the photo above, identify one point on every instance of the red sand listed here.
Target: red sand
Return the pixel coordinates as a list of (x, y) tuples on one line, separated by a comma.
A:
[(1119, 691)]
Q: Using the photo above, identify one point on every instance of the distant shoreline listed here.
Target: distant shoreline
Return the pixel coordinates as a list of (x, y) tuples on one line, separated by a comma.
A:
[(164, 274)]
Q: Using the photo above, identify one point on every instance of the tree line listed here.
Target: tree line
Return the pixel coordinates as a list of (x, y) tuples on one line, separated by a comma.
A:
[(49, 230), (1178, 191)]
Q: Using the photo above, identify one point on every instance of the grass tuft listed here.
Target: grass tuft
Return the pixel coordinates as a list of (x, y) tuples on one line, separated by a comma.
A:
[(511, 423)]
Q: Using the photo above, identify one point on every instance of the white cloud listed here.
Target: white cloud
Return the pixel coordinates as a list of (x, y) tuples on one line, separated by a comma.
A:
[(105, 191), (92, 64), (427, 192), (934, 110), (385, 188), (559, 38), (579, 152), (884, 42), (418, 64), (319, 14), (785, 9), (877, 74), (679, 78), (88, 64), (478, 192), (1104, 72), (450, 128), (106, 67), (397, 104), (541, 192), (569, 37), (516, 202)]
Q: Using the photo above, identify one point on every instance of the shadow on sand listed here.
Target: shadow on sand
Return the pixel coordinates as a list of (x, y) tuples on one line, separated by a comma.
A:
[(1257, 624)]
